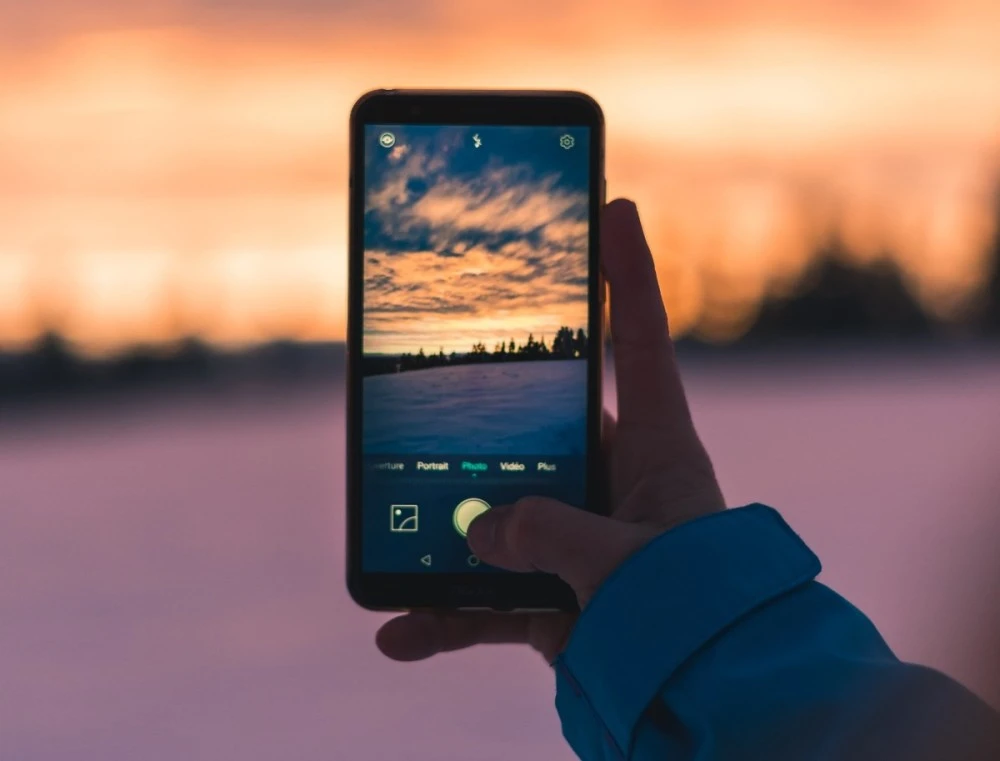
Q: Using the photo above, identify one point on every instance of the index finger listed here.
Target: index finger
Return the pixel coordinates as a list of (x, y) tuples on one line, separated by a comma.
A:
[(650, 394)]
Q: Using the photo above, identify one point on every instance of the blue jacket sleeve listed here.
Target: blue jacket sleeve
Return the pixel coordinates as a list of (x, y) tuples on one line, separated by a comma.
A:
[(715, 642)]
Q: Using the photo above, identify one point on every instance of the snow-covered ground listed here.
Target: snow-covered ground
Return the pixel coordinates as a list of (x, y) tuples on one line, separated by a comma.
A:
[(511, 408), (171, 581)]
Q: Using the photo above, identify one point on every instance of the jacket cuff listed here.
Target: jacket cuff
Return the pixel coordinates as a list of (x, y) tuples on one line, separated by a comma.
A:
[(667, 601)]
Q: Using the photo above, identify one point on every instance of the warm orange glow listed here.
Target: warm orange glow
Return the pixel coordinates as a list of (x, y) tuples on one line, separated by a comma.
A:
[(182, 172)]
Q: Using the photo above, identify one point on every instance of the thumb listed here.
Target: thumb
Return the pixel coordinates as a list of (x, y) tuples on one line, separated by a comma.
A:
[(539, 534)]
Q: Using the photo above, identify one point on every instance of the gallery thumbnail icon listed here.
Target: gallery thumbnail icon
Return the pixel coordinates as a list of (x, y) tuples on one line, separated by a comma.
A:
[(403, 519)]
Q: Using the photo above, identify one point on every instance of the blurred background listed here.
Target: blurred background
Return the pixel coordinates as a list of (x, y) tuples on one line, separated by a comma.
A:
[(820, 182)]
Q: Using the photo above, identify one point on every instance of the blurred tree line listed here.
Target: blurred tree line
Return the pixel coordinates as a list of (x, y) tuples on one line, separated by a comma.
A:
[(51, 368), (837, 300), (834, 300)]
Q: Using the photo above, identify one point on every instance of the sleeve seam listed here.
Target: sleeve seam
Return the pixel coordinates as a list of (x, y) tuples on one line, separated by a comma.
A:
[(580, 694)]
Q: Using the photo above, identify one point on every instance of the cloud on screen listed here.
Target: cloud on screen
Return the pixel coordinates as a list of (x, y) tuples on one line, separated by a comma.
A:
[(453, 251)]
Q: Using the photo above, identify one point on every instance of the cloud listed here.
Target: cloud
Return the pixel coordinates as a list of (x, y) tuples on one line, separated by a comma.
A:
[(497, 202)]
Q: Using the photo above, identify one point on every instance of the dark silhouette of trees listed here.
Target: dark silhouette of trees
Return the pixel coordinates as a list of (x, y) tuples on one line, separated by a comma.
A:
[(54, 361), (569, 345), (51, 368), (838, 300), (530, 348), (565, 345)]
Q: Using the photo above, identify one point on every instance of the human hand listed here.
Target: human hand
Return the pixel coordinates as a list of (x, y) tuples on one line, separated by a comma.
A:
[(659, 474)]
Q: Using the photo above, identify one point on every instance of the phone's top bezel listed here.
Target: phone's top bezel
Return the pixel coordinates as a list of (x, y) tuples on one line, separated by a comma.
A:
[(486, 107), (395, 591)]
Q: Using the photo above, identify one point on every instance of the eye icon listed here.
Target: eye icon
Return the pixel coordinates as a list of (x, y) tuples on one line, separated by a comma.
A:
[(567, 142), (387, 140)]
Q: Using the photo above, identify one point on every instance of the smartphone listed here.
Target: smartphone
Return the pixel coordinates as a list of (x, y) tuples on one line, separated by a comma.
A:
[(474, 335)]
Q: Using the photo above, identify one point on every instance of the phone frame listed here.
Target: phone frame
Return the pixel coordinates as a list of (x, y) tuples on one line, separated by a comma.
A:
[(453, 591)]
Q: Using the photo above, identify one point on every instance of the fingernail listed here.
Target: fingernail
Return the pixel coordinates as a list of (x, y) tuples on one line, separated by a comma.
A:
[(625, 209), (483, 532)]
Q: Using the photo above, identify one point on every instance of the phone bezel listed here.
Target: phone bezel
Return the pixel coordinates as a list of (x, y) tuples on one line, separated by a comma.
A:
[(505, 592)]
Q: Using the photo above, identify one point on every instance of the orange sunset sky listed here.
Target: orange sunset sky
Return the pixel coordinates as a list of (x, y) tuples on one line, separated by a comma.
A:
[(178, 168)]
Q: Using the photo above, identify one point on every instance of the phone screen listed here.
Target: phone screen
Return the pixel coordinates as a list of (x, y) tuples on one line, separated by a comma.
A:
[(474, 332)]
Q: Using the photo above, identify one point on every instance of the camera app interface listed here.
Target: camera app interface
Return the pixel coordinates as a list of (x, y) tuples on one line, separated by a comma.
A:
[(475, 332)]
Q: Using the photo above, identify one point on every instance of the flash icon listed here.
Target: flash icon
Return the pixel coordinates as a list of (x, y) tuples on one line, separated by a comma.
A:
[(476, 141)]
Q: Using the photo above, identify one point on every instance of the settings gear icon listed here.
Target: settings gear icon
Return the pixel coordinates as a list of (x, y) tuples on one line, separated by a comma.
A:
[(567, 142)]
